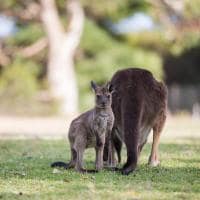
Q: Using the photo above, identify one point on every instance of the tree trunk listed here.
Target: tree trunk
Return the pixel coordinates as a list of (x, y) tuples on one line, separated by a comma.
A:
[(62, 46)]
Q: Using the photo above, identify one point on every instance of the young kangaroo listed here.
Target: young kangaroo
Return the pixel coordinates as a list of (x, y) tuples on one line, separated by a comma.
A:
[(90, 130)]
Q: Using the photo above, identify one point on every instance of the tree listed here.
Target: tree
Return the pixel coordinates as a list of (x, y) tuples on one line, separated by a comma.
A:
[(62, 46)]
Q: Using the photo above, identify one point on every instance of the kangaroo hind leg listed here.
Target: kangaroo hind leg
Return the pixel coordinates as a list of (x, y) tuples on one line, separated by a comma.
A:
[(157, 129)]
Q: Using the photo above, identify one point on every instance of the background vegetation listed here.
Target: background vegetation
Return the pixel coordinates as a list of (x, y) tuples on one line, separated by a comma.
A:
[(167, 50)]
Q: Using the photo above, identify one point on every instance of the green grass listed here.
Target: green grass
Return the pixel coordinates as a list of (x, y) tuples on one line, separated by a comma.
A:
[(25, 173)]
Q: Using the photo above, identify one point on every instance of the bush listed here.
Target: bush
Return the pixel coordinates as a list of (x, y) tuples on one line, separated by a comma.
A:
[(26, 35), (19, 80), (103, 56)]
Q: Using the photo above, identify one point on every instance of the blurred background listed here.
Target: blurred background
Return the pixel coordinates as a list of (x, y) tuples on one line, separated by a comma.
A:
[(50, 50)]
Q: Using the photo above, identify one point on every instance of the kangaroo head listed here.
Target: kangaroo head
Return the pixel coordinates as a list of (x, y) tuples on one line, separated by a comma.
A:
[(103, 94)]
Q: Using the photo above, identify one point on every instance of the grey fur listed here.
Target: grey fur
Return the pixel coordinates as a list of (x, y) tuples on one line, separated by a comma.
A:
[(90, 129)]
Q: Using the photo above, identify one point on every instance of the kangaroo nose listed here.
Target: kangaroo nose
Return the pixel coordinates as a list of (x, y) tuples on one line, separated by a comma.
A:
[(103, 103)]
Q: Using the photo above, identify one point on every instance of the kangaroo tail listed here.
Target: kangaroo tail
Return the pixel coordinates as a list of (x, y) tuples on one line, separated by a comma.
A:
[(60, 164)]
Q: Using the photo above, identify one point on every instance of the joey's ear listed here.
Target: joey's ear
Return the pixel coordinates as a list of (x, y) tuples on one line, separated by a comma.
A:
[(93, 85), (110, 87)]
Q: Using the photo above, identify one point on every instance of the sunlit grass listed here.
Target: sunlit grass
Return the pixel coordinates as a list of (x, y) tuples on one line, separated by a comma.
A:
[(25, 173)]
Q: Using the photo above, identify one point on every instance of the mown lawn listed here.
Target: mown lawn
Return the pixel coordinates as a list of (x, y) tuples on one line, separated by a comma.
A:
[(25, 173)]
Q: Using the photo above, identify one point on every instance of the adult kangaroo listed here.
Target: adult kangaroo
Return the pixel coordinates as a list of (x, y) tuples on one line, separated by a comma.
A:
[(139, 105)]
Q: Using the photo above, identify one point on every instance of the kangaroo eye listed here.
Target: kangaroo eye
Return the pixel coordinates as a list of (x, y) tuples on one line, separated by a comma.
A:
[(98, 96)]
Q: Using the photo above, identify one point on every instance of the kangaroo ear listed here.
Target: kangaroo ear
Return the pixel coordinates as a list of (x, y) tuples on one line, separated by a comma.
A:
[(110, 87), (93, 85)]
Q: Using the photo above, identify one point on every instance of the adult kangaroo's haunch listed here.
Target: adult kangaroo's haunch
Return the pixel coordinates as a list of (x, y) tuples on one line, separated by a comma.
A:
[(139, 105), (90, 130)]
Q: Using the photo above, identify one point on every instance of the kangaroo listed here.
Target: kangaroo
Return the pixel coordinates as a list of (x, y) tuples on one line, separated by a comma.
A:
[(90, 130), (139, 105)]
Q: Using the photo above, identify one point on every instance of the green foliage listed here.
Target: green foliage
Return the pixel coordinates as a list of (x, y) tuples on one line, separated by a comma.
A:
[(26, 35), (113, 9), (19, 87), (152, 40), (158, 41), (104, 55), (19, 81), (101, 54), (188, 41), (192, 8), (104, 9), (9, 4)]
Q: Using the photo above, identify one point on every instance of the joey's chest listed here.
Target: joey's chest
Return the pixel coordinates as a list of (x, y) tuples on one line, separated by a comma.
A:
[(99, 127), (102, 122)]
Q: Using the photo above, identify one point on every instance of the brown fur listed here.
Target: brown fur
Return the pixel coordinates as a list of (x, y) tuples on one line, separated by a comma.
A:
[(90, 130), (139, 105)]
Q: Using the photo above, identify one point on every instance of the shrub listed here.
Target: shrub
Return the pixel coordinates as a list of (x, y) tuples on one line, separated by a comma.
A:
[(19, 80), (106, 56)]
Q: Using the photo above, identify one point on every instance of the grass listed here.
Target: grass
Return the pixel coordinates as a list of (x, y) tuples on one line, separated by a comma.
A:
[(25, 173)]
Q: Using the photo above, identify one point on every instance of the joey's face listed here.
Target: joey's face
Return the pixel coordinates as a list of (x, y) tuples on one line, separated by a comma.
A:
[(103, 98), (103, 95)]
